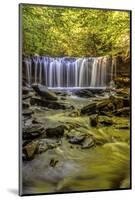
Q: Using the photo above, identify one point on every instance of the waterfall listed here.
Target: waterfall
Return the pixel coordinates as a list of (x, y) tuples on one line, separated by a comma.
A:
[(70, 72), (28, 70)]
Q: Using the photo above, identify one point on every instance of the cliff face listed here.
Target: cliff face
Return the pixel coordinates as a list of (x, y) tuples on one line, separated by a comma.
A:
[(123, 72)]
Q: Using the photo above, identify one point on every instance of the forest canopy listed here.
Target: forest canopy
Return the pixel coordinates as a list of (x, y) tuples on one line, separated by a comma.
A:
[(58, 31)]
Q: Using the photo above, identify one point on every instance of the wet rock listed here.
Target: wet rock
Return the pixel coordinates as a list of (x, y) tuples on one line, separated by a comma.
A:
[(63, 98), (89, 109), (27, 112), (49, 104), (26, 90), (35, 121), (25, 105), (30, 149), (106, 121), (44, 92), (122, 126), (33, 131), (93, 120), (101, 105), (74, 113), (117, 102), (26, 96), (76, 139), (88, 143), (125, 112), (83, 93), (47, 143), (42, 147), (55, 132), (111, 107), (75, 136)]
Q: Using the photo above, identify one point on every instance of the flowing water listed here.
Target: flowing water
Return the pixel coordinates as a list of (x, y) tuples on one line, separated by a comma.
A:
[(105, 166), (70, 72)]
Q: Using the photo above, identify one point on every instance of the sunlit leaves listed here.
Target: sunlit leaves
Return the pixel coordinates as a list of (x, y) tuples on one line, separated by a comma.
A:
[(75, 32)]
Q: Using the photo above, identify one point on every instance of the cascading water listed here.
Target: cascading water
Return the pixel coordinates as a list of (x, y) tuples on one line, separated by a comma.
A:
[(69, 72)]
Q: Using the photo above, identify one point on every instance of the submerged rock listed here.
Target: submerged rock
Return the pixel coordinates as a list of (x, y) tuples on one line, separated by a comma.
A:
[(44, 92)]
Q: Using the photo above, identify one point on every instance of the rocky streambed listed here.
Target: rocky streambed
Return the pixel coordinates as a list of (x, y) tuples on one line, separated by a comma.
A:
[(75, 140)]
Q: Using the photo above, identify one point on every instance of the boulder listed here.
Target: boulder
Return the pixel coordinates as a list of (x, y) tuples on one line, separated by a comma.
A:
[(88, 143), (56, 132), (74, 113), (49, 104), (89, 109), (125, 112), (33, 131), (117, 102), (30, 150), (27, 112), (42, 147), (25, 105), (76, 139), (75, 136), (26, 96), (106, 121), (44, 92), (83, 93), (102, 104), (26, 90), (93, 120), (47, 143)]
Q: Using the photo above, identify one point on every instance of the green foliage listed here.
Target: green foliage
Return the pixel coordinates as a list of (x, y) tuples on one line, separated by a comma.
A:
[(75, 32)]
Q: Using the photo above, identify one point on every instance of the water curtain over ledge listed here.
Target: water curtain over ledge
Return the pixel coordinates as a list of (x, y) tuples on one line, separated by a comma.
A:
[(69, 72)]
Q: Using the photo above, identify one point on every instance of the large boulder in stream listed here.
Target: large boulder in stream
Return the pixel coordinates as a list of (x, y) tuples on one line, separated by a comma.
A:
[(30, 150), (44, 92), (49, 103), (56, 132), (89, 109), (80, 138), (33, 131)]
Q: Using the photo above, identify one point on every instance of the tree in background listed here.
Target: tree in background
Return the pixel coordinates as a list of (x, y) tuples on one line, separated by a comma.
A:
[(57, 31)]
